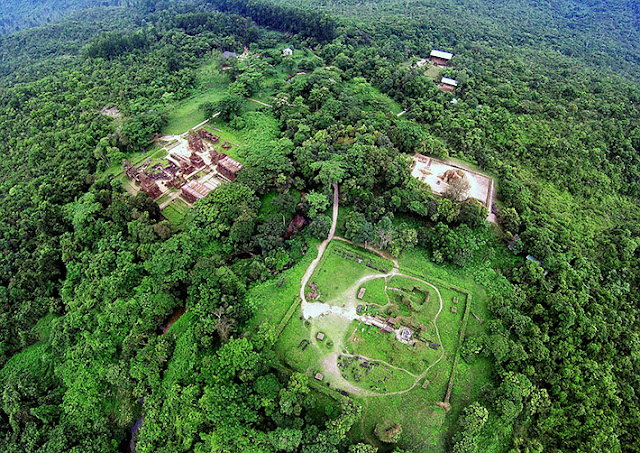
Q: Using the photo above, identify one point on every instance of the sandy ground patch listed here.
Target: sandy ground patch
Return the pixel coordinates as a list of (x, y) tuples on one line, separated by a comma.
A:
[(430, 171)]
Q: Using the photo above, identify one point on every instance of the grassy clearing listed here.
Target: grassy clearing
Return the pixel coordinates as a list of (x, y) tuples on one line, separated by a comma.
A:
[(425, 426), (335, 274), (368, 341), (187, 113), (226, 133), (373, 375), (176, 212), (289, 349), (433, 72), (375, 293), (270, 300)]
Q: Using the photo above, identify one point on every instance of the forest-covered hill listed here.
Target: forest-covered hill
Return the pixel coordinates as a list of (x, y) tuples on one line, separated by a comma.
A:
[(603, 32), (19, 14), (548, 103)]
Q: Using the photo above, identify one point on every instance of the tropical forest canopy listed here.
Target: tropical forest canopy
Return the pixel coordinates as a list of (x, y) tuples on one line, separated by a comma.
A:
[(548, 103)]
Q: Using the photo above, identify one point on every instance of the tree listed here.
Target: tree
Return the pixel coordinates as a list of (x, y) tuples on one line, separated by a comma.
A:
[(320, 227), (510, 219), (471, 421), (229, 107), (223, 324), (318, 203), (358, 228), (284, 439), (385, 232), (473, 213), (457, 189), (330, 171), (362, 448)]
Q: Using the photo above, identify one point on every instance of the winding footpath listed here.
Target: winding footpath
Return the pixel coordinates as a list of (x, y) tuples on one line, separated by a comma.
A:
[(321, 248), (311, 310)]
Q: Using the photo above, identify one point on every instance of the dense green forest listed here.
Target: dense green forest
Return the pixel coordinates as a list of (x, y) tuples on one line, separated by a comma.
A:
[(19, 14), (548, 103)]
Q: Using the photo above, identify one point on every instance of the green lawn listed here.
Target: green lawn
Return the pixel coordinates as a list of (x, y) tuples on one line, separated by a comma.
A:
[(335, 274), (368, 341), (425, 425), (290, 351), (271, 299), (433, 72), (187, 113), (177, 212), (375, 293), (373, 375)]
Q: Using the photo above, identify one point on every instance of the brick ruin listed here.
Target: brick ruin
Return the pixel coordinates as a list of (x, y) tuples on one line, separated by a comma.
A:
[(147, 182), (228, 167), (206, 135), (179, 168)]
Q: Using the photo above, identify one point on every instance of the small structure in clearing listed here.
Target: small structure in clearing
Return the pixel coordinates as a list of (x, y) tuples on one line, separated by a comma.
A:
[(320, 336), (361, 292), (440, 58), (404, 335), (319, 376), (448, 85), (287, 52)]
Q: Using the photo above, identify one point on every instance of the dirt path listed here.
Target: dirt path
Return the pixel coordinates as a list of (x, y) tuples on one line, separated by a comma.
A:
[(321, 248), (381, 361), (260, 102), (385, 255)]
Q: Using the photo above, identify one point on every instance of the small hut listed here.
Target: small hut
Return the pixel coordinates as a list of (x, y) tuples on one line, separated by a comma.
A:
[(448, 85)]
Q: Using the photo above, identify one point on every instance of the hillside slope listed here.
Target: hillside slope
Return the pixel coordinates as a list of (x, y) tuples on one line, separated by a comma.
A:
[(19, 14)]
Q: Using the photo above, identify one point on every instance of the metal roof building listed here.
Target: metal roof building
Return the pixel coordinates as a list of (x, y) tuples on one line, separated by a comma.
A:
[(441, 54)]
